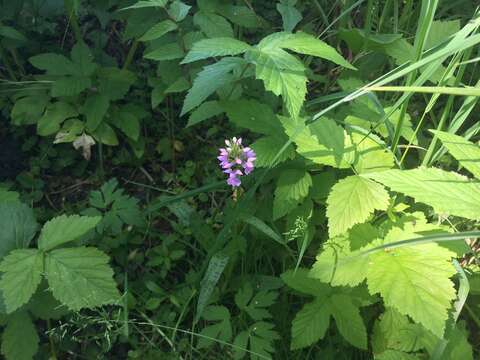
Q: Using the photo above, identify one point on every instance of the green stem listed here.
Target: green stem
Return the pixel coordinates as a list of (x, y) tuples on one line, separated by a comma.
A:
[(52, 344)]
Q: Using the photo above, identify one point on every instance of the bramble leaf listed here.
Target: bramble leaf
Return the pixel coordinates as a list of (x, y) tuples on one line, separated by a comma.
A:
[(351, 201), (80, 277), (22, 272), (63, 229)]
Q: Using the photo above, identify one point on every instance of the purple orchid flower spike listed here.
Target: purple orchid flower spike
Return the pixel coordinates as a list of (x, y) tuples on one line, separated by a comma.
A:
[(236, 160)]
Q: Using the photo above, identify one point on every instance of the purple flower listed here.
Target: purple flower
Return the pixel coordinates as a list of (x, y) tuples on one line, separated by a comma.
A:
[(236, 160)]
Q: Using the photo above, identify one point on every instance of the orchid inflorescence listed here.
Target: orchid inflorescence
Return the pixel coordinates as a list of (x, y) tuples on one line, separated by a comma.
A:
[(236, 160)]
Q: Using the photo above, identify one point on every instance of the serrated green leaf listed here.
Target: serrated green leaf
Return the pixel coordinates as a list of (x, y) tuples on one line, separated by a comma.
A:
[(63, 229), (304, 43), (80, 277), (310, 324), (212, 25), (370, 155), (266, 148), (22, 272), (290, 15), (178, 10), (323, 142), (282, 73), (351, 201), (415, 281), (170, 51), (147, 4), (20, 339), (29, 109), (95, 109), (128, 123), (70, 86), (301, 281), (105, 134), (205, 111), (159, 30), (221, 46), (293, 186), (55, 114), (222, 330), (54, 64), (466, 152), (241, 15), (83, 59), (253, 115), (209, 80), (44, 306), (18, 225), (349, 321), (115, 82), (329, 266), (447, 192)]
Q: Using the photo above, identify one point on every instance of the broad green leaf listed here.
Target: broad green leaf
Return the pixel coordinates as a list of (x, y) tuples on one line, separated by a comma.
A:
[(63, 229), (8, 196), (209, 80), (323, 142), (178, 10), (20, 339), (83, 59), (205, 111), (159, 30), (18, 225), (415, 281), (212, 25), (261, 339), (282, 73), (253, 115), (336, 264), (351, 201), (267, 148), (440, 31), (241, 15), (170, 51), (44, 306), (29, 109), (399, 333), (105, 134), (304, 43), (53, 117), (11, 33), (301, 281), (370, 155), (215, 47), (54, 64), (95, 109), (115, 82), (395, 355), (293, 186), (80, 277), (349, 321), (147, 4), (221, 330), (466, 152), (128, 123), (311, 323), (70, 86), (22, 272), (447, 192), (290, 15)]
